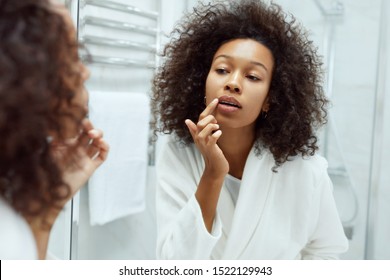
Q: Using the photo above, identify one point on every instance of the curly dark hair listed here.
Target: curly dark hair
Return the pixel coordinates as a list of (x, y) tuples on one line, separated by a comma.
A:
[(38, 81), (297, 105)]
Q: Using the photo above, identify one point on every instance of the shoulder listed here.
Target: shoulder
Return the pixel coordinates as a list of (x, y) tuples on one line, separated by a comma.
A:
[(16, 238), (310, 168), (315, 163)]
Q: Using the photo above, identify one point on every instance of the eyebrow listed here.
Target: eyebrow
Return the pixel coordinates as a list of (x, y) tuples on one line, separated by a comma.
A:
[(251, 61)]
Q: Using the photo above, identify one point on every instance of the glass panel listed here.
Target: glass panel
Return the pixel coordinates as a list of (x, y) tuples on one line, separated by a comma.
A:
[(349, 42), (378, 226)]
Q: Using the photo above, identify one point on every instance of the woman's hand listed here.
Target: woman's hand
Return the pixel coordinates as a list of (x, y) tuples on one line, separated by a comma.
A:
[(206, 134), (79, 157), (91, 151), (90, 154)]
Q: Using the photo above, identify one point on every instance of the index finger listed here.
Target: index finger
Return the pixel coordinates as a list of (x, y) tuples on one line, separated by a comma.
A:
[(87, 125), (209, 109)]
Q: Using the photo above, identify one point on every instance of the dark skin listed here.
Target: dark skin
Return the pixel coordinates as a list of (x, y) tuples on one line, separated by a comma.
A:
[(241, 73)]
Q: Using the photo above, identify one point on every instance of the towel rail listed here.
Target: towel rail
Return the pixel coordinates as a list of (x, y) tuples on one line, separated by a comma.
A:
[(118, 61), (118, 25), (120, 7), (150, 29), (116, 43)]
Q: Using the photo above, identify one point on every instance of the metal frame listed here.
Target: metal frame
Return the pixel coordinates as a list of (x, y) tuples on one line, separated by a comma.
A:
[(377, 134), (75, 202), (95, 40), (118, 61)]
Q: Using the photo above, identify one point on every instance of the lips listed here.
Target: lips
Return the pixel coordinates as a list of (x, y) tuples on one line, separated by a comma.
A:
[(229, 101)]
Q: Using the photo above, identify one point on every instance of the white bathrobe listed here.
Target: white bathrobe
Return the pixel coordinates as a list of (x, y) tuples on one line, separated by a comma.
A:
[(16, 238), (290, 214)]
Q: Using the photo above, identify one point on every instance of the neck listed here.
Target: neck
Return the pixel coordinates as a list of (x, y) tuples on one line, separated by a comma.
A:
[(236, 144), (41, 226)]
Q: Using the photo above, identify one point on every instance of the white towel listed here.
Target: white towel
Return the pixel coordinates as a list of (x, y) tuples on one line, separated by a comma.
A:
[(117, 188)]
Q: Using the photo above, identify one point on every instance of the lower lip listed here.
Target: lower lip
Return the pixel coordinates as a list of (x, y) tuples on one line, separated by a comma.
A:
[(227, 109)]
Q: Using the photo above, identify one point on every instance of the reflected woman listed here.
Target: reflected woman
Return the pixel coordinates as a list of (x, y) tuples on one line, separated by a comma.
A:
[(240, 90), (48, 150)]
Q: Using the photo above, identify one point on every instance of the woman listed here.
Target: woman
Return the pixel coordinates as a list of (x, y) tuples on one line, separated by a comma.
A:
[(241, 91), (48, 150)]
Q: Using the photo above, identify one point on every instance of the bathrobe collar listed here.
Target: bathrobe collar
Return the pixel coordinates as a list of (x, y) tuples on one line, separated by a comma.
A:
[(254, 191)]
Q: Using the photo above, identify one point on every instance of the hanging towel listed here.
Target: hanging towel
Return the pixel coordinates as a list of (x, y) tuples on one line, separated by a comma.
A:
[(117, 188)]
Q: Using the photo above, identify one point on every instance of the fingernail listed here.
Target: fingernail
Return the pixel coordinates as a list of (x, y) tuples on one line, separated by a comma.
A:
[(92, 132), (215, 100)]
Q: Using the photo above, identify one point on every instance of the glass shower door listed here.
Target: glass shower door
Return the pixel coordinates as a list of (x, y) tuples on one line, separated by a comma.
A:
[(351, 38)]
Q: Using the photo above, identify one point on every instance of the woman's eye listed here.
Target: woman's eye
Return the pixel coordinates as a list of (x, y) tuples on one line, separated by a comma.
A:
[(253, 78), (221, 71)]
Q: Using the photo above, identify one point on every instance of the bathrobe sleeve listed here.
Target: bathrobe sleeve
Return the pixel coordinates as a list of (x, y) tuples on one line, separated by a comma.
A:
[(181, 232), (327, 240)]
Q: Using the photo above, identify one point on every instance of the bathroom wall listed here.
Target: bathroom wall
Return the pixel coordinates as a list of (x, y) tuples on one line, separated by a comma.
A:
[(350, 130), (122, 238)]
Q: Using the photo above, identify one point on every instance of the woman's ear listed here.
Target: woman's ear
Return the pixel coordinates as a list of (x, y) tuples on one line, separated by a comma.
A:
[(265, 106)]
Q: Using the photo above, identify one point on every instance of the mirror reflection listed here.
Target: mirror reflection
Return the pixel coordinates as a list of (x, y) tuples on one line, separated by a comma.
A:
[(352, 95), (239, 131)]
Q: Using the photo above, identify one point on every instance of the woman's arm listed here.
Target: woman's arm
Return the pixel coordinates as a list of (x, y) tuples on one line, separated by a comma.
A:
[(181, 231), (188, 226), (206, 134), (90, 155)]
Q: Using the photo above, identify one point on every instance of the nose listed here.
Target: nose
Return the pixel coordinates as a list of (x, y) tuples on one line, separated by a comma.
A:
[(233, 85)]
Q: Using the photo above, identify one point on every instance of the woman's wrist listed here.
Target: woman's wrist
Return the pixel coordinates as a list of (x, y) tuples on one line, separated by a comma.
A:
[(214, 174)]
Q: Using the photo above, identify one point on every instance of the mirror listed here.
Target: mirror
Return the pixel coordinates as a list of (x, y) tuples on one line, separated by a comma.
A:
[(347, 34)]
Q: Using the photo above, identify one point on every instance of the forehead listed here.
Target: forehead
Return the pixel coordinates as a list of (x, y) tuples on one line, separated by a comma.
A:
[(246, 49)]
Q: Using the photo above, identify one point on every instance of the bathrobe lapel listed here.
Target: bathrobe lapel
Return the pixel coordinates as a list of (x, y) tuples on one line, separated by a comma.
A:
[(254, 190)]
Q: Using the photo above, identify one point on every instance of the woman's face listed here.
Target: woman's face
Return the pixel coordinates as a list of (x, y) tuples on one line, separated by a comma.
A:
[(240, 77)]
